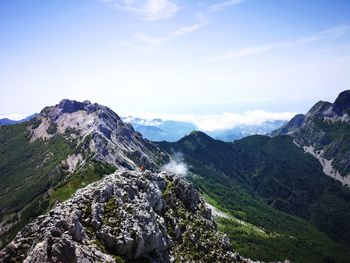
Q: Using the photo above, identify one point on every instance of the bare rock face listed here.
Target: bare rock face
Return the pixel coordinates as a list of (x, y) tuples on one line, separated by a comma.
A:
[(128, 215), (98, 131)]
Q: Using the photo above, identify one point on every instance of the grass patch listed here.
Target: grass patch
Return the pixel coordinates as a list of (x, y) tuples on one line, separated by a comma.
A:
[(91, 172)]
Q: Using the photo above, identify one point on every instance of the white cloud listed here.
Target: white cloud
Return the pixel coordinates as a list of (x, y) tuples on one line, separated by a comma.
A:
[(176, 167), (148, 39), (148, 10), (249, 51), (224, 4), (147, 122), (187, 29), (229, 120), (223, 121)]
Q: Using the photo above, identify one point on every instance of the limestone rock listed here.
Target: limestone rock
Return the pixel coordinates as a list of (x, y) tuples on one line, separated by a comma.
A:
[(156, 217)]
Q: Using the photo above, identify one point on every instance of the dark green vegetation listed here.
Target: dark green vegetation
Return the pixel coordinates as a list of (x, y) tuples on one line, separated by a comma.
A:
[(273, 185), (28, 170), (91, 172), (192, 236), (335, 142)]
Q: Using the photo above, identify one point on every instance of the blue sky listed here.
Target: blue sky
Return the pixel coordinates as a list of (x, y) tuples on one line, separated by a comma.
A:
[(173, 57)]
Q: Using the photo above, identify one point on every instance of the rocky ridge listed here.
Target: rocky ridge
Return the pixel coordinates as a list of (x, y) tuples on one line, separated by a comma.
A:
[(128, 215), (324, 131), (63, 148)]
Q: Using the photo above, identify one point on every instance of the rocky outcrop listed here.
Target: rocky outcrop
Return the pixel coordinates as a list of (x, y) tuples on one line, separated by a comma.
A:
[(342, 103), (128, 215), (325, 129), (99, 131)]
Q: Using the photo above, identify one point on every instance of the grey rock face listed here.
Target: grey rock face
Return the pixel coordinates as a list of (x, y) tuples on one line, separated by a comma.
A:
[(99, 131), (129, 215), (342, 103), (290, 126)]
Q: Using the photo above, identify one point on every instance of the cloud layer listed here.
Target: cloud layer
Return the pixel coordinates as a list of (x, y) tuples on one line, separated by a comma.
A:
[(223, 121)]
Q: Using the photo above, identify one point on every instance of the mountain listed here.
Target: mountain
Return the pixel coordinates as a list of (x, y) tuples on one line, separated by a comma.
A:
[(65, 147), (324, 132), (160, 130), (80, 185), (127, 216), (7, 121), (275, 195), (242, 131)]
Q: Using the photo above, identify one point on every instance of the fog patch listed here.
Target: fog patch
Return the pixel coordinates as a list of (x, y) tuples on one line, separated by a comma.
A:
[(176, 165), (178, 168)]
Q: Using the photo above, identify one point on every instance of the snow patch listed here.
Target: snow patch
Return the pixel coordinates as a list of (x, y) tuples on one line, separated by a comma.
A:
[(328, 169)]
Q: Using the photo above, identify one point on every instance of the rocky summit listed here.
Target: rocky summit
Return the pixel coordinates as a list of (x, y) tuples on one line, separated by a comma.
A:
[(99, 131), (126, 217)]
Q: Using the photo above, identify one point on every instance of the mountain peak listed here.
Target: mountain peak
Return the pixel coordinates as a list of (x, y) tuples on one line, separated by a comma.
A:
[(319, 108), (342, 103), (290, 126), (100, 130), (335, 111), (69, 106), (198, 135)]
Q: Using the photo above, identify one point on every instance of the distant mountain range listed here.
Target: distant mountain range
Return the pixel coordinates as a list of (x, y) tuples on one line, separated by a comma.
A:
[(160, 130), (168, 130), (242, 131), (7, 121)]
